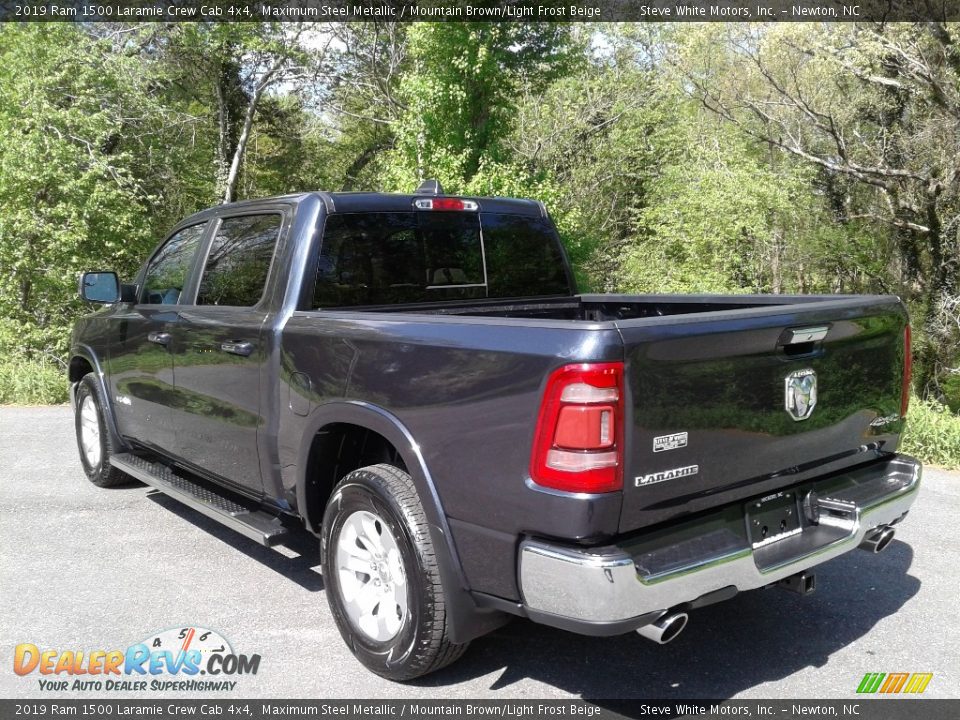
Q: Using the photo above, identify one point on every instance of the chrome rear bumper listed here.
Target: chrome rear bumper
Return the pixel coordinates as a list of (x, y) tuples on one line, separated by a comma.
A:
[(589, 589)]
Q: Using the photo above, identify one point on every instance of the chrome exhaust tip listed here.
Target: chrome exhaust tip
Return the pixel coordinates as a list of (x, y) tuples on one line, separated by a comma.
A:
[(665, 629), (878, 539)]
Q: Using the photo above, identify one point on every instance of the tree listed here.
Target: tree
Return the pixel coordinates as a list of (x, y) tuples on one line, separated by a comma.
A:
[(460, 93), (873, 106), (583, 142), (364, 105), (243, 62), (74, 115)]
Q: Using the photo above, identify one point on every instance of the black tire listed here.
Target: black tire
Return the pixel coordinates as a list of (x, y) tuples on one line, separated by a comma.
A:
[(422, 643), (102, 473)]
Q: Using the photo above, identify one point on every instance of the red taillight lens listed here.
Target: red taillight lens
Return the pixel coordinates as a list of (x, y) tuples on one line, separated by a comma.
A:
[(447, 204), (907, 372), (578, 446)]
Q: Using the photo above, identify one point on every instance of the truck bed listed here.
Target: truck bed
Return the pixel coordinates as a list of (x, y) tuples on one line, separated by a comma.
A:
[(603, 308), (709, 368)]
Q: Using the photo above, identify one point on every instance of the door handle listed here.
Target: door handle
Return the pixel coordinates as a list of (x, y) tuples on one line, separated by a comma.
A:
[(237, 348), (160, 338)]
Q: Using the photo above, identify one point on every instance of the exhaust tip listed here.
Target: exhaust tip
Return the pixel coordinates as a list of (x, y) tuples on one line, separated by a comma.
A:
[(878, 540), (675, 625), (665, 629), (886, 537)]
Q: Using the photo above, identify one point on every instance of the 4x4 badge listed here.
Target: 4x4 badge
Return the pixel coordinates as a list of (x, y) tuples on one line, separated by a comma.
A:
[(800, 396)]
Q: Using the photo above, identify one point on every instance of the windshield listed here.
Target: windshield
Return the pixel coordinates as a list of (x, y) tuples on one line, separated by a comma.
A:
[(412, 257)]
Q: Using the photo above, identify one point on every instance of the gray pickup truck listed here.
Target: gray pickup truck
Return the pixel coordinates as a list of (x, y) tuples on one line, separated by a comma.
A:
[(415, 380)]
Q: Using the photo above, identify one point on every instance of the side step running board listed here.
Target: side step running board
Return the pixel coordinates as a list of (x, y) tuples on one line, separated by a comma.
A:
[(257, 525)]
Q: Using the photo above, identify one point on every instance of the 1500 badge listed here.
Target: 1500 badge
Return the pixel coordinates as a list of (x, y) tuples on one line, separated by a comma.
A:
[(673, 474)]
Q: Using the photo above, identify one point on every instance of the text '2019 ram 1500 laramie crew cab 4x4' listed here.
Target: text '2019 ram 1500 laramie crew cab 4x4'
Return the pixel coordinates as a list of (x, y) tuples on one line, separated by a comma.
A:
[(415, 379)]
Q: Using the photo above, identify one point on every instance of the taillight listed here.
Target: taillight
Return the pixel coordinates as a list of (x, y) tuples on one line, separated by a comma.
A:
[(445, 203), (907, 372), (578, 446)]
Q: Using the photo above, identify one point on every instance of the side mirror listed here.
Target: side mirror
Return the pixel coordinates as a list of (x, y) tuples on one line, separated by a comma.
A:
[(100, 287)]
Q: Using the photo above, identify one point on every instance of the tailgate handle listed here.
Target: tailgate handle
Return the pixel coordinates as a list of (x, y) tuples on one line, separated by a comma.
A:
[(804, 335)]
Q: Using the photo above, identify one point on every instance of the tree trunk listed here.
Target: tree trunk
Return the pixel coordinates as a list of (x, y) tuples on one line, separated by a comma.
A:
[(25, 287), (927, 357), (938, 281), (776, 263), (230, 184), (223, 139)]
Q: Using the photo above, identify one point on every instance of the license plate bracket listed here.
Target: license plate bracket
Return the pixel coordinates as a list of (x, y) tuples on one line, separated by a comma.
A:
[(772, 518)]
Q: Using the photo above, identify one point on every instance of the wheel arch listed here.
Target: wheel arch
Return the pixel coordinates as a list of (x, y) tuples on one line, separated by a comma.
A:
[(467, 621), (84, 361), (386, 425), (79, 366)]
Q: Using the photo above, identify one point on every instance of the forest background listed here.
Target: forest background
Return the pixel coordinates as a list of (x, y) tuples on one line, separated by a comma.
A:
[(707, 158)]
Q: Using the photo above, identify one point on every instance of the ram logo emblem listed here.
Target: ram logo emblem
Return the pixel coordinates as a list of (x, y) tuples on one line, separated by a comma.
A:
[(800, 396)]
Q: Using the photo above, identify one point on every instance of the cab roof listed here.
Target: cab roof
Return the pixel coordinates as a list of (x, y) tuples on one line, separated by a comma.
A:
[(349, 202)]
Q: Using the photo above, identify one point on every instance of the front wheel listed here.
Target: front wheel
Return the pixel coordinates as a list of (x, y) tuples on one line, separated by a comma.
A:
[(93, 439), (382, 578)]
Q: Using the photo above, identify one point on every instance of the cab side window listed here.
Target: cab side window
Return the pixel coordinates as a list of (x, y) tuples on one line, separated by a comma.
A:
[(168, 269), (239, 260)]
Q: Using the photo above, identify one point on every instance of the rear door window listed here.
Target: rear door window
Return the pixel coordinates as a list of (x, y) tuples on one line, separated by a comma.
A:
[(239, 260)]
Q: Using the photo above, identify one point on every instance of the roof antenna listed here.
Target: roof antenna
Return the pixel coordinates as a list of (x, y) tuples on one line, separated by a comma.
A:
[(429, 187)]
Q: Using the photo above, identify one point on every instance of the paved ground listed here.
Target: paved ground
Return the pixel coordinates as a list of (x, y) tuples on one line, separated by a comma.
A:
[(86, 568)]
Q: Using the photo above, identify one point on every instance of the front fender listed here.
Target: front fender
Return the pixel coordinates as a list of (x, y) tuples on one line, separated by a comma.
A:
[(90, 356)]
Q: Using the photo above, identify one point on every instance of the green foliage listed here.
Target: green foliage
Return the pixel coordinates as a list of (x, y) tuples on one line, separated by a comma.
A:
[(69, 180), (711, 213), (31, 382), (933, 434), (951, 390), (666, 154), (460, 96), (864, 107)]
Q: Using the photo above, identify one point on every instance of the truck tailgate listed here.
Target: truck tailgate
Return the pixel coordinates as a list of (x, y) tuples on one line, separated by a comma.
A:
[(707, 409)]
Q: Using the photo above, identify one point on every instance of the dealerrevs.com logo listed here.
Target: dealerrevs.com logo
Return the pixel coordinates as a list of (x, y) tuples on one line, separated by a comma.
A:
[(180, 659)]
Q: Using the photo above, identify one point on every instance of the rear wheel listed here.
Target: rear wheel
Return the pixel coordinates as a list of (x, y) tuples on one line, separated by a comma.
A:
[(383, 582), (93, 439)]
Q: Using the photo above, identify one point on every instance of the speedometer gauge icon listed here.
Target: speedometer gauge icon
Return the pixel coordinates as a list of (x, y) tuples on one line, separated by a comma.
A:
[(179, 641)]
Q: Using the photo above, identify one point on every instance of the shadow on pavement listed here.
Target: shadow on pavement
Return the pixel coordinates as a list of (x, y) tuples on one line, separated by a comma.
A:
[(757, 637), (295, 559)]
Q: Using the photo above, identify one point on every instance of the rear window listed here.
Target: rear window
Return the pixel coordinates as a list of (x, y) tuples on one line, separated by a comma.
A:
[(410, 257)]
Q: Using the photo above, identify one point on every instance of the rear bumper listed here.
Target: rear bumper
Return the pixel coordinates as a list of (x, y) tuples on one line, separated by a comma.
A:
[(618, 588)]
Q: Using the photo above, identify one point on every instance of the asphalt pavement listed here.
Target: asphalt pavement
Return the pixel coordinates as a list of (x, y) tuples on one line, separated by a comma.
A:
[(86, 569)]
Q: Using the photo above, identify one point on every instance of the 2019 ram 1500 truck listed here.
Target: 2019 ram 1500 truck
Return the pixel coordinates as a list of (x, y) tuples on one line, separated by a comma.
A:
[(415, 379)]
